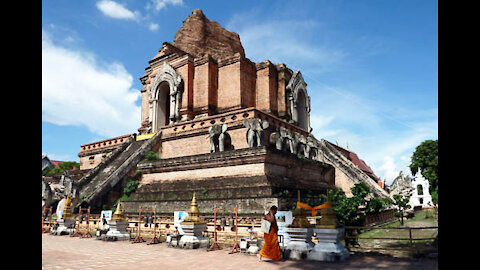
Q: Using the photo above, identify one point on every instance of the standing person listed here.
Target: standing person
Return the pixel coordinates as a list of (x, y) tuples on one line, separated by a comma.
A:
[(271, 248)]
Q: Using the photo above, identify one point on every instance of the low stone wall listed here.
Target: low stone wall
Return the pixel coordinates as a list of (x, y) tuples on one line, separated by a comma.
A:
[(244, 206), (380, 218)]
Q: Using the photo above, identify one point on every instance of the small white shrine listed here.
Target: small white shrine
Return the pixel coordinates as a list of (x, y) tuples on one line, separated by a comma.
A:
[(421, 195)]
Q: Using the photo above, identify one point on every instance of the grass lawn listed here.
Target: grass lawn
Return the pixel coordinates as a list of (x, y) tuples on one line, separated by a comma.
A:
[(394, 230)]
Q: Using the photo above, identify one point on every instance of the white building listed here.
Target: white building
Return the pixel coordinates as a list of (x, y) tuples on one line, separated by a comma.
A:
[(421, 195)]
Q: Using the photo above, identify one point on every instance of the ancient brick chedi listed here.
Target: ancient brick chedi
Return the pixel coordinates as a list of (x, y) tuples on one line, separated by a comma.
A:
[(221, 117), (235, 132)]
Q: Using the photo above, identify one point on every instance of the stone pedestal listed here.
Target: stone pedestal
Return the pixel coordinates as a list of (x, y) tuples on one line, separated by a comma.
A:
[(173, 240), (300, 242), (65, 227), (118, 231), (329, 247), (193, 237)]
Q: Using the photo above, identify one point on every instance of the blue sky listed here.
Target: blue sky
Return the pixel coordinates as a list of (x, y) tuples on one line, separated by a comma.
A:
[(371, 67)]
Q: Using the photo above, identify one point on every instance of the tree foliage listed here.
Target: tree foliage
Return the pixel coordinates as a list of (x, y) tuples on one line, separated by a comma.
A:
[(377, 205), (62, 167), (402, 204), (130, 186), (360, 192), (151, 156), (425, 158), (347, 208)]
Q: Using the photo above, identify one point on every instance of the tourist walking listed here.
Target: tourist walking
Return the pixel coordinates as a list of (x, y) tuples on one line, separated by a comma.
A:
[(271, 248)]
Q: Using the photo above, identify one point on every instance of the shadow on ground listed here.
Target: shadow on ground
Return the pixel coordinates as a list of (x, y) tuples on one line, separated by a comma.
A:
[(370, 260)]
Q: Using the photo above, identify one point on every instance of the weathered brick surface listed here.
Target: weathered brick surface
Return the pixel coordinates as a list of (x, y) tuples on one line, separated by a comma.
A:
[(191, 138), (205, 85), (248, 80), (251, 178), (199, 144), (229, 86), (186, 72), (284, 75), (266, 87), (227, 171), (244, 206), (92, 154)]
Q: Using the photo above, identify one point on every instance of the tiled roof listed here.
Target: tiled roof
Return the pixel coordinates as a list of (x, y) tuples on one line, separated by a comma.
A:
[(353, 157)]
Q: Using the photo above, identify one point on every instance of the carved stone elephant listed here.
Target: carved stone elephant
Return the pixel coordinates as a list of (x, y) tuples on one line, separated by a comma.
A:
[(255, 135), (311, 148), (47, 194), (219, 138), (298, 144), (281, 139)]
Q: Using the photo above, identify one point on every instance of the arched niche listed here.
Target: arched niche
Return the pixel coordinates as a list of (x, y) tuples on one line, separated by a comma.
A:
[(302, 110), (162, 105), (299, 101), (165, 96), (419, 190)]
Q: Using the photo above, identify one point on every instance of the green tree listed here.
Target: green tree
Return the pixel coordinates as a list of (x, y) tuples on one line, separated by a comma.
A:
[(402, 204), (360, 192), (347, 208), (151, 156), (425, 158), (62, 167), (130, 186), (377, 205)]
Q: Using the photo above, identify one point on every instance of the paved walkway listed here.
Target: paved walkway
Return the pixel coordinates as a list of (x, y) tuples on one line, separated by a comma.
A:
[(64, 252)]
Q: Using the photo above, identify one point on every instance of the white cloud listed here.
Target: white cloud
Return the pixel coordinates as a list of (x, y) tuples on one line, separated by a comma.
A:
[(79, 89), (285, 41), (384, 137), (388, 169), (115, 10), (153, 26), (158, 5)]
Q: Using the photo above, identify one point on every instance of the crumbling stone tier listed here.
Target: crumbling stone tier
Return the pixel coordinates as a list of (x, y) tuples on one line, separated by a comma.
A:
[(249, 179)]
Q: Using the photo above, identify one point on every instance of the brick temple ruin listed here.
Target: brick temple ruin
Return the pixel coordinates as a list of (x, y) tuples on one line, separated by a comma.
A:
[(235, 132)]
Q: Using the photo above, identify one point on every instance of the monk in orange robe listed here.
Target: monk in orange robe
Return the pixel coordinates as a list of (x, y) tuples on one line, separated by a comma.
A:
[(271, 248)]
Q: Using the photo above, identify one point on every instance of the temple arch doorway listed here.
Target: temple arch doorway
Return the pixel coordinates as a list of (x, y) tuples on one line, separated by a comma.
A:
[(299, 100), (165, 98), (162, 106), (302, 113)]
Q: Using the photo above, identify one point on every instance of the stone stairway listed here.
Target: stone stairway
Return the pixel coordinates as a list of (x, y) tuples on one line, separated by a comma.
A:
[(334, 157), (115, 169)]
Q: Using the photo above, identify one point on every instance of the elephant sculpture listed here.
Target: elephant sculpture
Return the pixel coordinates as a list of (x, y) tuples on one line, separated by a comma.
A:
[(47, 194), (294, 142), (298, 144), (282, 139), (219, 138), (311, 149), (255, 134)]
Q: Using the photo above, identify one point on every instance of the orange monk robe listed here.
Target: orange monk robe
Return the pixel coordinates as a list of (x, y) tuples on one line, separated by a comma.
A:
[(271, 248), (313, 209)]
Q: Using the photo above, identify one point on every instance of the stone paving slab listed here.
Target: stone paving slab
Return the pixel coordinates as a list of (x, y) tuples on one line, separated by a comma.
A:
[(64, 252)]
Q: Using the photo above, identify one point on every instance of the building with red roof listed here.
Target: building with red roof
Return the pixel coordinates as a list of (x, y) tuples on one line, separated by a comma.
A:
[(350, 169)]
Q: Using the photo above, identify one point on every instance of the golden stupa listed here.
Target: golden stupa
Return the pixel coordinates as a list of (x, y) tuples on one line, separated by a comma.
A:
[(193, 214), (329, 218), (67, 209), (299, 217), (118, 215)]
